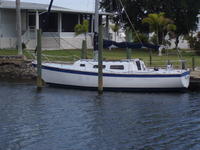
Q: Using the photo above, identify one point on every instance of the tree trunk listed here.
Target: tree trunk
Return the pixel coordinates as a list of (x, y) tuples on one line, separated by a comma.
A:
[(84, 48), (159, 43), (157, 38), (19, 27), (160, 51), (177, 41)]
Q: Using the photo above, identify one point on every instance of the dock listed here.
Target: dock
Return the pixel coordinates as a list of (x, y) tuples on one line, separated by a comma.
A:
[(195, 80)]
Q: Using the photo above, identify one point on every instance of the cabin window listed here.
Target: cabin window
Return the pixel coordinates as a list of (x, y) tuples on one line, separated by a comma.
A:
[(138, 65), (119, 67), (96, 66), (82, 65)]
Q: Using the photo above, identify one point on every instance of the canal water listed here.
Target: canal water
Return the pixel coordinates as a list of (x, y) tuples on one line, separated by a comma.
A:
[(63, 119)]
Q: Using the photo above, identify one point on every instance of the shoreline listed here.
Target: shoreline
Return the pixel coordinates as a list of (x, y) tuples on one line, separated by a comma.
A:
[(18, 69)]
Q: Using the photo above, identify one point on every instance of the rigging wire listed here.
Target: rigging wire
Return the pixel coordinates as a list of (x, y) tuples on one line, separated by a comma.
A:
[(65, 41), (58, 42), (120, 14), (50, 5), (132, 25)]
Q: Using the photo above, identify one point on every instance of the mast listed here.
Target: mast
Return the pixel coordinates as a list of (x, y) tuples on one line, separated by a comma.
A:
[(96, 30), (19, 27)]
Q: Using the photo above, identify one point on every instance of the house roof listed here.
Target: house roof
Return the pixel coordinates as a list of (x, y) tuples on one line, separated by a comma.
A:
[(42, 7)]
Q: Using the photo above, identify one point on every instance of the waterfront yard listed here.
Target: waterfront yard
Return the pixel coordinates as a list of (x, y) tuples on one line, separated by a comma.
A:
[(114, 54)]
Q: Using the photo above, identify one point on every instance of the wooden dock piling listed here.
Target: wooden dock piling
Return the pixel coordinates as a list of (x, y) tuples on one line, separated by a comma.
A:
[(193, 63), (39, 60), (195, 80), (100, 61), (128, 39), (150, 57)]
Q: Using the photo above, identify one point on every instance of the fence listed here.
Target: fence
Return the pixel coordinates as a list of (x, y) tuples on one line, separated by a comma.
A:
[(190, 62)]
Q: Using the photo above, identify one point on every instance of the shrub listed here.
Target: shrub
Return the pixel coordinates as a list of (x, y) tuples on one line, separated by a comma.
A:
[(194, 42), (23, 46), (140, 37)]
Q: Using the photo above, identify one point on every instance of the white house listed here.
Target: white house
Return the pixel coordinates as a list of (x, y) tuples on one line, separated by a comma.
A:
[(58, 27)]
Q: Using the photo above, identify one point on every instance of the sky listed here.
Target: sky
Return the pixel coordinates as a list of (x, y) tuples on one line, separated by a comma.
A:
[(72, 4)]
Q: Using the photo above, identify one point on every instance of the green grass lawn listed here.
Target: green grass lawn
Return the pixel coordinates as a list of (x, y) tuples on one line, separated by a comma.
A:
[(114, 54)]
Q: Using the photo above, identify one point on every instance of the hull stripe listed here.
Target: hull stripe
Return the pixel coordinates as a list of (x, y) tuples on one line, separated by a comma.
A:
[(115, 75)]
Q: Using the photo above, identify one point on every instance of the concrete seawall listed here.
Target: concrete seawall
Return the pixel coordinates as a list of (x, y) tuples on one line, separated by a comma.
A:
[(195, 80), (16, 67)]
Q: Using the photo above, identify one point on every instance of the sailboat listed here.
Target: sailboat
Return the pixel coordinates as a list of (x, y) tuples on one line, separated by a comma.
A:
[(117, 75)]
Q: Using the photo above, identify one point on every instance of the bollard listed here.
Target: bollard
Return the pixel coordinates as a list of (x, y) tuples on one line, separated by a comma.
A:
[(193, 63), (150, 57)]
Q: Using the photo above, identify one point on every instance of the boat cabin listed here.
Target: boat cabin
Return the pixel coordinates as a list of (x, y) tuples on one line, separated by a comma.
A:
[(109, 66)]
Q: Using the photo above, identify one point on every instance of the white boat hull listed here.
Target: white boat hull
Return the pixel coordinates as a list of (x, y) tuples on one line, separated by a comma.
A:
[(84, 79)]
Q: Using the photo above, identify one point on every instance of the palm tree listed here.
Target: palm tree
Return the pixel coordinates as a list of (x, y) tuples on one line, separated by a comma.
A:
[(160, 25), (82, 29), (115, 29)]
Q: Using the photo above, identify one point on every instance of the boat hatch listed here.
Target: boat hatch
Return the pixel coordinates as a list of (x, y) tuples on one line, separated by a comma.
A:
[(119, 67)]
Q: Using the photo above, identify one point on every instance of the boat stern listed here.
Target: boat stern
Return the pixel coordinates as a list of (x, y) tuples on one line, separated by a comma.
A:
[(185, 79)]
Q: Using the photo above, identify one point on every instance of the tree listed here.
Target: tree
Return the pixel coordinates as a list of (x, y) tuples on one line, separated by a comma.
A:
[(83, 29), (115, 29), (133, 8), (183, 12), (159, 24), (194, 42), (19, 27)]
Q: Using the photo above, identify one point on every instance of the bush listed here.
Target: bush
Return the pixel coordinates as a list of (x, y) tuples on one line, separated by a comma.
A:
[(23, 46), (153, 39), (194, 42), (140, 37)]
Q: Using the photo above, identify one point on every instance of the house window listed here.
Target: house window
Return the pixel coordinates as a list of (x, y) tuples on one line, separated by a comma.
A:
[(49, 22), (118, 67), (31, 20), (68, 22)]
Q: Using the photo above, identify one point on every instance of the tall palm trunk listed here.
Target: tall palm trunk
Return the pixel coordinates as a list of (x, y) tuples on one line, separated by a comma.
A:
[(177, 41)]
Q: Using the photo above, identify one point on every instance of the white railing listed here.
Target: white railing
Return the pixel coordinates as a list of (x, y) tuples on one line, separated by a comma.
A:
[(28, 35), (25, 37)]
